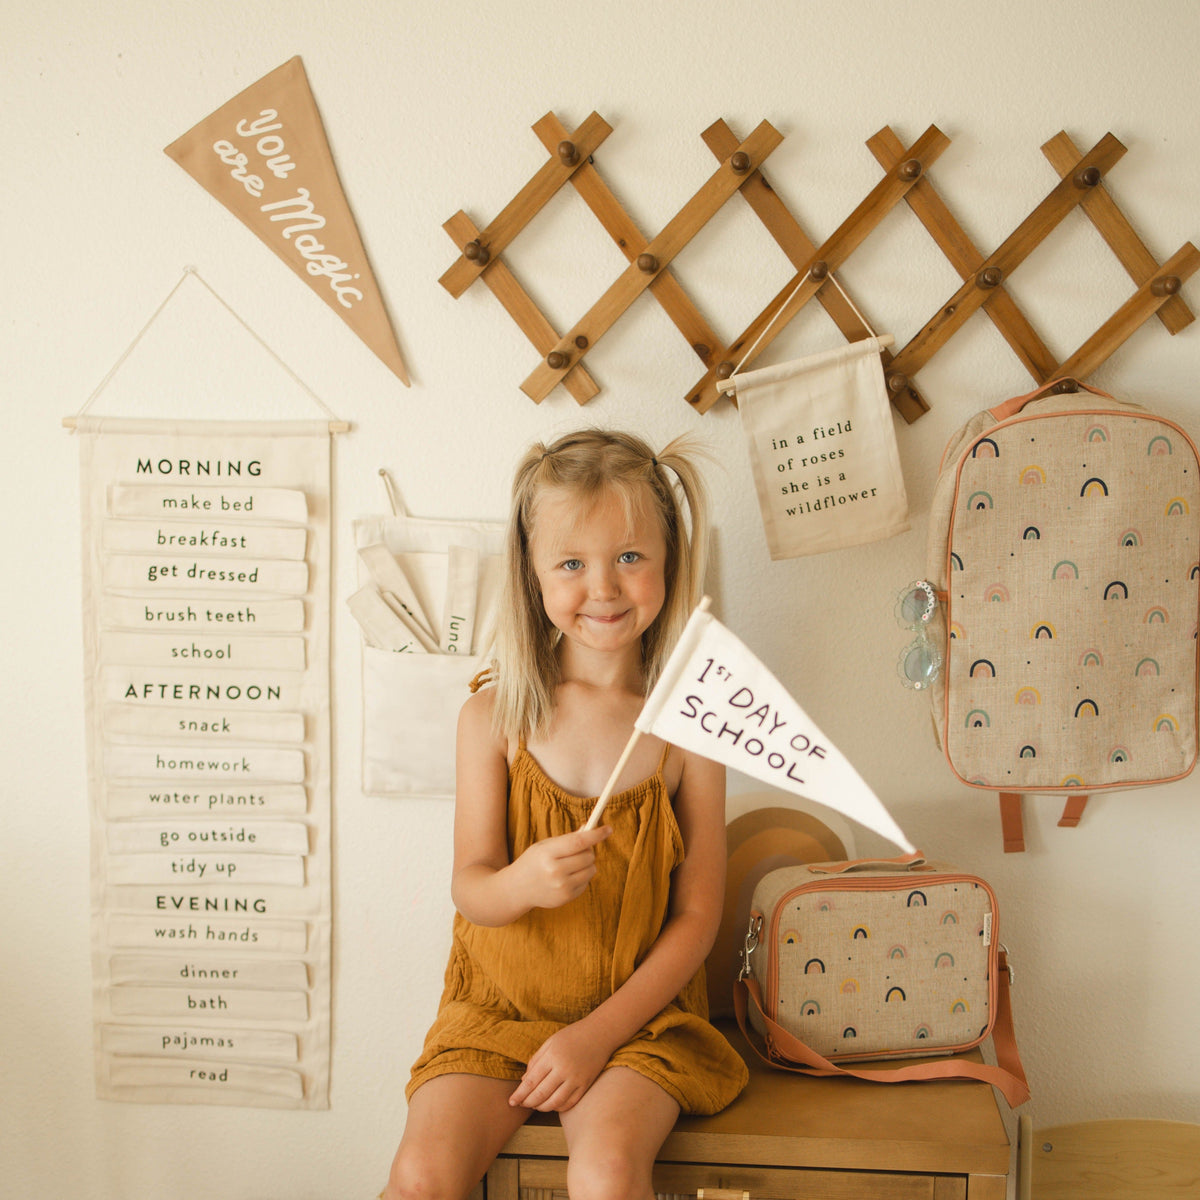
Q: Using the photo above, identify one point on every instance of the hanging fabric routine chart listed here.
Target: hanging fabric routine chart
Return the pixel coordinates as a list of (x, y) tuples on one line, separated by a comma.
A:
[(206, 598), (206, 589)]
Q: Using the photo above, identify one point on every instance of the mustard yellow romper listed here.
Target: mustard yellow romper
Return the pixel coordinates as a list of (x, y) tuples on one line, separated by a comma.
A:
[(509, 988)]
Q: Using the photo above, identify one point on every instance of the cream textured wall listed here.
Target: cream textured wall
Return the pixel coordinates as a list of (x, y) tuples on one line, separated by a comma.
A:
[(428, 109)]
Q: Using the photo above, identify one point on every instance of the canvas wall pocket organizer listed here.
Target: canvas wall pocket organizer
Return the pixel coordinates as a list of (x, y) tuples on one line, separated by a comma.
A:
[(426, 607), (878, 959), (1064, 543)]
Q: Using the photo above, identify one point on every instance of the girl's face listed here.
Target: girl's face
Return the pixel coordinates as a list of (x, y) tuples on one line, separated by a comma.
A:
[(602, 568)]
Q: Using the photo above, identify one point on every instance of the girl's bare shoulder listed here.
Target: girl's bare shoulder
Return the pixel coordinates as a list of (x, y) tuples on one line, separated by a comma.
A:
[(690, 776), (476, 715)]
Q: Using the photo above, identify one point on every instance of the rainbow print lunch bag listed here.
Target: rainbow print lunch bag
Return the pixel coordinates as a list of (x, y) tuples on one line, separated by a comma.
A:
[(1064, 548), (878, 959)]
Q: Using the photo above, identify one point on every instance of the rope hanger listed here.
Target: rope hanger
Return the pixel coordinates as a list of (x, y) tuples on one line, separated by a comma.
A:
[(336, 424)]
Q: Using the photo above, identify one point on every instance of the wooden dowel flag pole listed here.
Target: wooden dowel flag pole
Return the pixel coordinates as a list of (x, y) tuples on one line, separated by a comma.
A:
[(716, 698), (602, 801)]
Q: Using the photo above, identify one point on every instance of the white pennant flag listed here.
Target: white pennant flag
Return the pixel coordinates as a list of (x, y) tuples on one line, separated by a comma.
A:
[(717, 699)]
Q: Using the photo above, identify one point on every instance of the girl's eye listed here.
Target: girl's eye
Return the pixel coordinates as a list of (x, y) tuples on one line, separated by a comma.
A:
[(630, 556), (572, 564)]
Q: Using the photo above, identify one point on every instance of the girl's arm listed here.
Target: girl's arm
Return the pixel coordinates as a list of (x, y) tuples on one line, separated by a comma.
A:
[(486, 887), (565, 1066)]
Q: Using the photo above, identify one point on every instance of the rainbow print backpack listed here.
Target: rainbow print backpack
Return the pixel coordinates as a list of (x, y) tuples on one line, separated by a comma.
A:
[(1064, 548)]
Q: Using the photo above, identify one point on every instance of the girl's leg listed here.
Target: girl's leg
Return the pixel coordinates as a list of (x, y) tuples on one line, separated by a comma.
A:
[(613, 1135), (456, 1126)]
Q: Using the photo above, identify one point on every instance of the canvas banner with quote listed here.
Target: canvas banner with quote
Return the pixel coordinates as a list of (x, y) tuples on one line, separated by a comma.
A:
[(206, 585), (823, 450), (265, 157)]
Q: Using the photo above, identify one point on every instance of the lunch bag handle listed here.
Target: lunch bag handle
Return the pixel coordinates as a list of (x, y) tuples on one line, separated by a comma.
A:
[(903, 862)]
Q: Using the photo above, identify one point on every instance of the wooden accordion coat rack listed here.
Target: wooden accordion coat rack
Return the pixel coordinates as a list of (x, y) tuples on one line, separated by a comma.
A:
[(739, 162)]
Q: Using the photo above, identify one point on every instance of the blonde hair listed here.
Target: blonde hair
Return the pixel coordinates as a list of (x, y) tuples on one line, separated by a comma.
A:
[(588, 464)]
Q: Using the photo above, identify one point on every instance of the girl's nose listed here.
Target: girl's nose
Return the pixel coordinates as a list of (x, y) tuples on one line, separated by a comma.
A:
[(602, 583)]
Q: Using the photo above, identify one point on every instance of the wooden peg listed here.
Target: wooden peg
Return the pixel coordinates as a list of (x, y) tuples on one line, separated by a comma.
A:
[(740, 162), (581, 342), (1168, 285), (568, 152), (1087, 178), (476, 253), (910, 169), (989, 277), (556, 360), (647, 263), (897, 381), (1066, 386), (724, 370), (819, 269)]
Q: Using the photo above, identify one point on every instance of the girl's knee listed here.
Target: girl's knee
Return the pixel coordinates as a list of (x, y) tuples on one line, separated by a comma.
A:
[(419, 1176), (608, 1173)]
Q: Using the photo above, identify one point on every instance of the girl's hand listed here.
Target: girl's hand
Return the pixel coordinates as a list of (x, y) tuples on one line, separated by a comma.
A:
[(557, 869), (562, 1068)]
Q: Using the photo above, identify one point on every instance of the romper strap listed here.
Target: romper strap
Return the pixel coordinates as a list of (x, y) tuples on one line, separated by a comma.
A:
[(662, 762), (481, 679)]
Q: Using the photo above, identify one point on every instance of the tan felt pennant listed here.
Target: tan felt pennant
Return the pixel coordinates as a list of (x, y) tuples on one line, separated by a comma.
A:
[(265, 157)]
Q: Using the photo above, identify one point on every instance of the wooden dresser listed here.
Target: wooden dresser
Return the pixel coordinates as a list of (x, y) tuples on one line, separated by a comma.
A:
[(789, 1137)]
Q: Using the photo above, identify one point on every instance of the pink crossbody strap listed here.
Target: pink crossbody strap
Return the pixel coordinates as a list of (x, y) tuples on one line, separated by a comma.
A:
[(789, 1052)]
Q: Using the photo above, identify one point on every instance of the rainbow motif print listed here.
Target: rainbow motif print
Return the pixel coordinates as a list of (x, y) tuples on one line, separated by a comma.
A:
[(920, 980)]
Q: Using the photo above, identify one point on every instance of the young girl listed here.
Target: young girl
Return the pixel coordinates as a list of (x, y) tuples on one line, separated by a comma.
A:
[(575, 982)]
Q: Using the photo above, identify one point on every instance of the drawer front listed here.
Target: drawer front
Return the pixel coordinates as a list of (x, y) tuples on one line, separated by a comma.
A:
[(546, 1179)]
